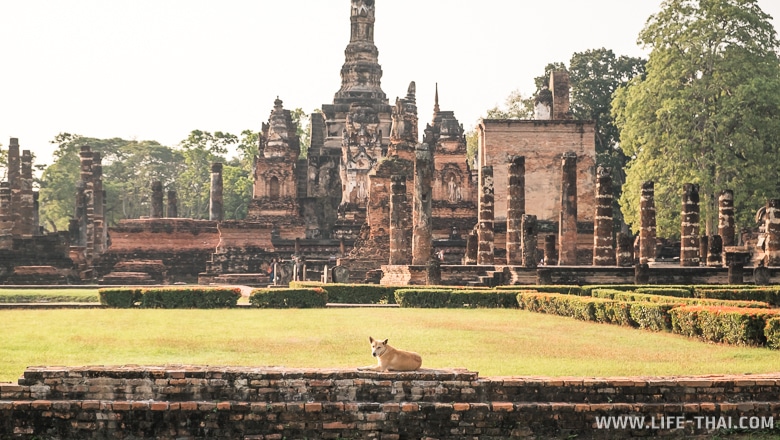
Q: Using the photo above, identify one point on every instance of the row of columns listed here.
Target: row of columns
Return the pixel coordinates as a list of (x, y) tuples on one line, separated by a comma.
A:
[(216, 203)]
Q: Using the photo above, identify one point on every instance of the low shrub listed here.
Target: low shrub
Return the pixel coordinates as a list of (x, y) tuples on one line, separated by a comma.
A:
[(678, 292), (189, 297), (301, 298), (360, 293), (730, 325), (49, 295), (120, 297), (652, 316), (423, 298), (643, 297), (681, 290), (582, 308), (769, 295), (613, 312), (565, 290), (772, 333), (455, 298)]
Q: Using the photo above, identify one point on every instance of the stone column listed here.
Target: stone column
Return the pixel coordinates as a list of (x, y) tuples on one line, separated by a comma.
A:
[(550, 253), (514, 211), (422, 221), (157, 199), (689, 234), (14, 168), (99, 201), (567, 228), (715, 254), (215, 201), (647, 223), (36, 214), (472, 241), (5, 201), (485, 251), (603, 248), (529, 241), (704, 248), (26, 217), (399, 245), (173, 205), (625, 250), (772, 228), (87, 203), (726, 223)]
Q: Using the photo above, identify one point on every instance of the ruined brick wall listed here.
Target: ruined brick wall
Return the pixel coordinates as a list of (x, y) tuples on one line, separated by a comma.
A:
[(183, 245), (272, 403), (542, 143)]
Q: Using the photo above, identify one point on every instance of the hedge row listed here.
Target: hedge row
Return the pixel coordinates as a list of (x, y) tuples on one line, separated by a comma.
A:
[(455, 298), (772, 333), (769, 295), (292, 298), (644, 297), (645, 315), (730, 325), (353, 293), (170, 297)]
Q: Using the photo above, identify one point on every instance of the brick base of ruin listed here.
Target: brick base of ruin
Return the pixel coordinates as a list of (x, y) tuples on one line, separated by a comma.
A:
[(169, 402)]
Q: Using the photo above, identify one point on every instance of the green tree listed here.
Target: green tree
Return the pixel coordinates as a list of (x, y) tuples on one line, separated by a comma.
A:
[(200, 149), (707, 112), (129, 167)]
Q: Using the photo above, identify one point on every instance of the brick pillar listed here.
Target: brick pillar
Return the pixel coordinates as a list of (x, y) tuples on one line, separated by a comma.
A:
[(422, 221), (14, 174), (88, 201), (5, 202), (550, 253), (26, 202), (625, 250), (704, 248), (603, 248), (689, 233), (647, 223), (399, 223), (529, 241), (485, 250), (772, 228), (157, 200), (472, 241), (216, 211), (515, 210), (567, 228), (173, 205), (79, 225), (99, 202), (715, 254), (36, 213), (726, 223)]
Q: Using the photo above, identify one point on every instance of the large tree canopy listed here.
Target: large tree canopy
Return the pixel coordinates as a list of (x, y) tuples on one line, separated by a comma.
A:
[(706, 112)]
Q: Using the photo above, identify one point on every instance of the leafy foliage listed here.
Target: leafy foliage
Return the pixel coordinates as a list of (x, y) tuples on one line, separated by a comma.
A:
[(302, 298), (707, 112)]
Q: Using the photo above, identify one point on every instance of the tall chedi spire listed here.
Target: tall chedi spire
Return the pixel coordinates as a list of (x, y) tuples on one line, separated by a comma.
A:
[(361, 73)]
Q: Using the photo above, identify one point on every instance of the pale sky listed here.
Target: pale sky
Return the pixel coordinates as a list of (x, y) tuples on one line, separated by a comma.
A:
[(158, 69)]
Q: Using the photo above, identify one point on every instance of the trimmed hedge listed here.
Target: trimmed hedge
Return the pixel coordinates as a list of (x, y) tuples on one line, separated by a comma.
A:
[(120, 298), (562, 289), (772, 333), (292, 298), (360, 293), (677, 292), (769, 295), (49, 296), (170, 297), (190, 297), (652, 316), (455, 298), (642, 297), (731, 325), (578, 307)]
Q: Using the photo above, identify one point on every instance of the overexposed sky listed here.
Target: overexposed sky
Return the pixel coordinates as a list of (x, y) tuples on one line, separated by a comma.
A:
[(158, 69)]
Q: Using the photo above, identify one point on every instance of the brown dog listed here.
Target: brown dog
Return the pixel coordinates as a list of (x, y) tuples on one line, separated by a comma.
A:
[(391, 358)]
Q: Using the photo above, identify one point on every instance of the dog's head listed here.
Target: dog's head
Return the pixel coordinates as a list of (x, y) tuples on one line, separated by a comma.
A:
[(377, 347)]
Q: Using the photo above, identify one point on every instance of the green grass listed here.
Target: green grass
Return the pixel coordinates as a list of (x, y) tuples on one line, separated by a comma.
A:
[(48, 295), (493, 342)]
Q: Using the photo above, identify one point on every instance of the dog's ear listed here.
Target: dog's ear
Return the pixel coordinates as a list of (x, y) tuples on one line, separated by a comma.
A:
[(385, 341), (370, 339)]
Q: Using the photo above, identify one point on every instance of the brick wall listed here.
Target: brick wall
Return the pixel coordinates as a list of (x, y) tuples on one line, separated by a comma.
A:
[(275, 403)]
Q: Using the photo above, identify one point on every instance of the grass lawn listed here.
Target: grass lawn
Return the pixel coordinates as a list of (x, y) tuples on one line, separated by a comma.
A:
[(494, 342)]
